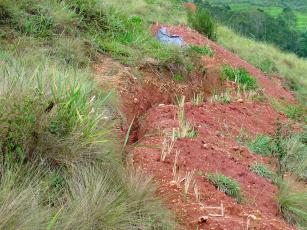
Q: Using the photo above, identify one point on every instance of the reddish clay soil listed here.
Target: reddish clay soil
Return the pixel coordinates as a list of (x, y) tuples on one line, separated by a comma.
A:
[(149, 99), (213, 150)]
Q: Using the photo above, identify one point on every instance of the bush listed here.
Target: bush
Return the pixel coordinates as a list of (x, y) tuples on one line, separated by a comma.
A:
[(240, 76), (203, 23), (226, 185), (292, 205)]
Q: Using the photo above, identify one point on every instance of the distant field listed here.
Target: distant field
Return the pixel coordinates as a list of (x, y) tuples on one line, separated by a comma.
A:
[(274, 8)]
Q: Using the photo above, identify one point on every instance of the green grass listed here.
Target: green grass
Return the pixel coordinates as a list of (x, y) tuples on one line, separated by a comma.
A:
[(240, 76), (262, 170), (61, 166), (288, 66), (260, 145), (202, 50), (226, 185), (292, 205)]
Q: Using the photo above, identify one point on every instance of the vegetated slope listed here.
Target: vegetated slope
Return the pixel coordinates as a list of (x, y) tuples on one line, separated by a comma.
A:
[(211, 142), (61, 166)]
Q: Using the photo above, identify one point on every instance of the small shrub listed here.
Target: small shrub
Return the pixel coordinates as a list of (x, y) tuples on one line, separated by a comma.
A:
[(240, 76), (226, 185), (292, 205), (203, 23), (203, 50), (262, 170)]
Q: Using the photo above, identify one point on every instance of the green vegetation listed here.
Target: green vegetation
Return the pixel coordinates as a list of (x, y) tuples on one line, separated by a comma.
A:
[(226, 185), (280, 23), (178, 77), (61, 167), (240, 76), (262, 170), (288, 66), (223, 98), (203, 23), (294, 112), (292, 205), (288, 148), (260, 145), (204, 50)]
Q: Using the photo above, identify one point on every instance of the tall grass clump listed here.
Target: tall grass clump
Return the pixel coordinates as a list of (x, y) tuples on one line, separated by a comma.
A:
[(203, 22), (292, 205), (59, 167), (45, 111)]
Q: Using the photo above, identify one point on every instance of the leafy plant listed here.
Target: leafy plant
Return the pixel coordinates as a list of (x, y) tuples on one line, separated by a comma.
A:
[(240, 76), (226, 185)]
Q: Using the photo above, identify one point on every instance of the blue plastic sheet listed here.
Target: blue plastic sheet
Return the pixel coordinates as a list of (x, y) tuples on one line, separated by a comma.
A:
[(164, 37)]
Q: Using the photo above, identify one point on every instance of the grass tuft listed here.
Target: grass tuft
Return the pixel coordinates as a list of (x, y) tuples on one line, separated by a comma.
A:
[(226, 185), (240, 76)]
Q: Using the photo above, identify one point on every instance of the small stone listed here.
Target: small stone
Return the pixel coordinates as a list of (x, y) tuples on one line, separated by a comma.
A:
[(160, 105), (205, 146), (203, 219), (135, 100), (240, 100)]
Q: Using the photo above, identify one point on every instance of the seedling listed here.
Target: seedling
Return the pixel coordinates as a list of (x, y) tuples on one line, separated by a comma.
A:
[(198, 99), (167, 146), (187, 181)]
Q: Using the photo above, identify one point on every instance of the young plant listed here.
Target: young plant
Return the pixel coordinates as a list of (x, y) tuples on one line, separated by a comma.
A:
[(240, 76), (198, 99), (176, 177), (226, 185), (223, 98), (185, 128), (167, 146), (196, 192), (187, 181)]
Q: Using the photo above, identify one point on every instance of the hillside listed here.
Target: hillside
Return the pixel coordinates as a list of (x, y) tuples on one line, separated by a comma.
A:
[(102, 126)]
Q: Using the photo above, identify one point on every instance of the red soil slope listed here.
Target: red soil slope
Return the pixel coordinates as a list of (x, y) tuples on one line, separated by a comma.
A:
[(214, 149)]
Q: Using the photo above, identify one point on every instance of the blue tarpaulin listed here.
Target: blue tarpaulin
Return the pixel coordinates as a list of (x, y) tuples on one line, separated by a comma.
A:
[(164, 37)]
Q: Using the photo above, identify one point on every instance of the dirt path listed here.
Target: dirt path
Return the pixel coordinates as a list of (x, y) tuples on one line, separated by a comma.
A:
[(150, 100)]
